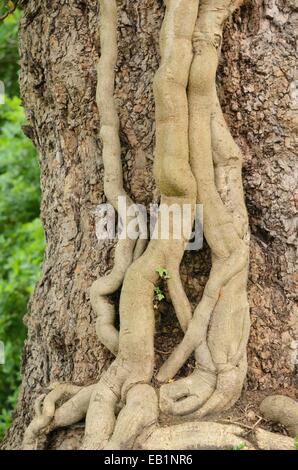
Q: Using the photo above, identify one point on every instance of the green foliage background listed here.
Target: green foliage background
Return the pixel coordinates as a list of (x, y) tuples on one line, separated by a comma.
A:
[(21, 234)]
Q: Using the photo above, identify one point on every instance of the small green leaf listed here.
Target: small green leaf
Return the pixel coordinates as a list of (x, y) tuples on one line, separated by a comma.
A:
[(159, 294), (240, 446), (163, 273)]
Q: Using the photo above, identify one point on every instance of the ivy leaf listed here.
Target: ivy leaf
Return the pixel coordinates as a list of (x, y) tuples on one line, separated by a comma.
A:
[(159, 294), (163, 273)]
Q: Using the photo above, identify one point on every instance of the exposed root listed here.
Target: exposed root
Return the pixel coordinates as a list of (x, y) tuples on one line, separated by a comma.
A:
[(46, 412), (187, 395), (283, 410), (139, 414), (270, 441), (74, 410), (197, 435), (137, 427)]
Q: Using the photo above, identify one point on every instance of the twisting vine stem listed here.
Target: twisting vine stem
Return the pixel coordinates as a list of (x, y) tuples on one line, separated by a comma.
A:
[(219, 329), (135, 360), (126, 249)]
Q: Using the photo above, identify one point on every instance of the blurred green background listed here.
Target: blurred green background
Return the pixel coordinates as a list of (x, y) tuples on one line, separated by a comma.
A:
[(21, 234)]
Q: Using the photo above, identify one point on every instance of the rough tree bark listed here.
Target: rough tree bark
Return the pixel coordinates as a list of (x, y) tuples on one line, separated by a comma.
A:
[(257, 89)]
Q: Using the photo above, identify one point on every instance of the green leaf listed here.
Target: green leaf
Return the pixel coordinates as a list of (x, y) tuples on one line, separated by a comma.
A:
[(163, 273), (9, 55), (240, 446), (159, 295)]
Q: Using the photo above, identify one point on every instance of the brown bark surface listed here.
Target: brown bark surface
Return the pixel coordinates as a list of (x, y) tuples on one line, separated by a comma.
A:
[(258, 92)]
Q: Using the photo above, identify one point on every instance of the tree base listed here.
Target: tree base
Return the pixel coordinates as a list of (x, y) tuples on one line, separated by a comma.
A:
[(136, 426)]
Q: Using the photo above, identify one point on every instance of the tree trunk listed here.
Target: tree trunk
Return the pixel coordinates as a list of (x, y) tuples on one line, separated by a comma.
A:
[(258, 92)]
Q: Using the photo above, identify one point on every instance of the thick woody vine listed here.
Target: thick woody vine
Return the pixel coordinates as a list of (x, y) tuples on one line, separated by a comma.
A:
[(196, 161)]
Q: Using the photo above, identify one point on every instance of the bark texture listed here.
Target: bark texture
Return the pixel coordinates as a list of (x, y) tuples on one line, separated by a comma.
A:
[(257, 89)]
